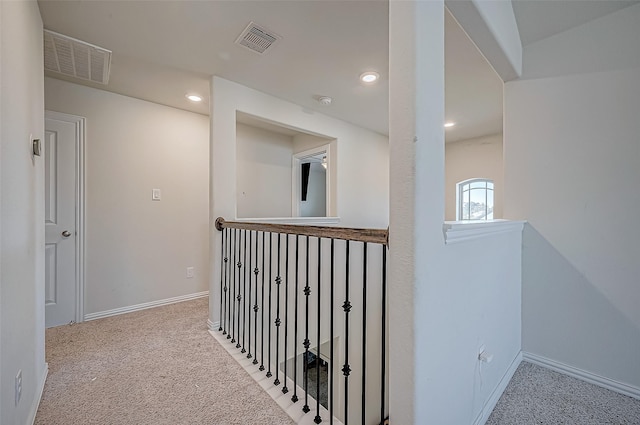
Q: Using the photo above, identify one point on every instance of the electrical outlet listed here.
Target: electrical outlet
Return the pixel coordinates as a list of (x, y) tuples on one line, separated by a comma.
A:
[(18, 386), (190, 272)]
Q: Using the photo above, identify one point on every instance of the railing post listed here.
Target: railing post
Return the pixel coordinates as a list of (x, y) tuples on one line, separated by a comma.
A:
[(383, 376), (244, 295), (223, 285), (277, 322), (294, 397), (233, 301), (248, 301), (364, 332), (239, 296), (318, 419), (269, 322), (221, 278), (255, 306), (261, 368), (346, 369), (286, 311), (228, 285), (307, 292), (331, 359)]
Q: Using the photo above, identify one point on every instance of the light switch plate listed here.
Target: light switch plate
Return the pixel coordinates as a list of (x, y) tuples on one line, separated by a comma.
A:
[(155, 195)]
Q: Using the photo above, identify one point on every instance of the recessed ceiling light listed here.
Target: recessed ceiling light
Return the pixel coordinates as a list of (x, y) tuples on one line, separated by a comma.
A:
[(449, 124), (194, 97), (369, 77)]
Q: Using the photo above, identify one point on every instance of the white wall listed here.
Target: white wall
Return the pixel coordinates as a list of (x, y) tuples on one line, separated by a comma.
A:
[(137, 250), (361, 166), (608, 43), (22, 211), (572, 169), (440, 312), (263, 172), (473, 158), (303, 142), (362, 155)]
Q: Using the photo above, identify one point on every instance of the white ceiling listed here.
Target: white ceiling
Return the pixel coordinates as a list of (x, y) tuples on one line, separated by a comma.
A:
[(540, 19), (473, 90), (165, 49)]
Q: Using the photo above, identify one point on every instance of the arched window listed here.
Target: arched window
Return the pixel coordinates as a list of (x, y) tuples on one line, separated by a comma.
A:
[(475, 200)]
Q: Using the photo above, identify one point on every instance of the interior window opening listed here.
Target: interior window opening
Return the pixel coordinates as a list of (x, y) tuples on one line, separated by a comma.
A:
[(475, 199)]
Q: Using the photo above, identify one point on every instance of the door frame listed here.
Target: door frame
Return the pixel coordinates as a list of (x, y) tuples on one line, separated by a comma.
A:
[(80, 135), (296, 176)]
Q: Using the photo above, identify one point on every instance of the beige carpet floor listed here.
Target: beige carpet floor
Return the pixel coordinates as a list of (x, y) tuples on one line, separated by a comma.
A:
[(157, 366), (539, 396)]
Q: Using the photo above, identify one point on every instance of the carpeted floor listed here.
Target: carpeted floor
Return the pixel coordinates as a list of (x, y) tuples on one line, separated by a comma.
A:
[(539, 396), (161, 366), (157, 366)]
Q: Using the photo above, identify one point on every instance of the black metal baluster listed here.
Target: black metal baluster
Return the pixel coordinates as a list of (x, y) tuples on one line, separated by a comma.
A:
[(255, 306), (225, 288), (318, 419), (221, 276), (307, 292), (239, 296), (270, 276), (244, 295), (228, 283), (346, 369), (277, 322), (286, 312), (249, 270), (331, 342), (364, 329), (232, 301), (261, 368), (294, 397), (384, 334)]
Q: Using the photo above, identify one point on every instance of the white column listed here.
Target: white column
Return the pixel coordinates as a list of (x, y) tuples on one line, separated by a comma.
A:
[(416, 139), (222, 172)]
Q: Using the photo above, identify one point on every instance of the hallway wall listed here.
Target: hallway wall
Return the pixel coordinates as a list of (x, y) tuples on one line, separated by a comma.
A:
[(137, 250), (572, 169), (21, 211)]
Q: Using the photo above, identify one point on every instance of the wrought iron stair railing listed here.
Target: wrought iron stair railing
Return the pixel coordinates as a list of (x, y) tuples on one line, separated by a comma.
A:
[(318, 296)]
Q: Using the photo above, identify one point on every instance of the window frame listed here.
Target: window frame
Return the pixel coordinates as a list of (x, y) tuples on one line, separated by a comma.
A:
[(460, 189)]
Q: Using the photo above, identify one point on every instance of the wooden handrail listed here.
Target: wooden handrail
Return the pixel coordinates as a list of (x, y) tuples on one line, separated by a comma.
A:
[(380, 236)]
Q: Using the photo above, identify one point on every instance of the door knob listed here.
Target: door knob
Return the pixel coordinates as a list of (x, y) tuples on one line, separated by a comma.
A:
[(66, 233)]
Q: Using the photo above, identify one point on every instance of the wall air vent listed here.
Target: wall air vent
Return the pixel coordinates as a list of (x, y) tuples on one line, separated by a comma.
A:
[(257, 39), (75, 58)]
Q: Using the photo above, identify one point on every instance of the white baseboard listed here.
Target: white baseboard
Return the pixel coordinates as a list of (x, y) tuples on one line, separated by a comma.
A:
[(497, 392), (213, 326), (144, 306), (36, 401), (583, 375)]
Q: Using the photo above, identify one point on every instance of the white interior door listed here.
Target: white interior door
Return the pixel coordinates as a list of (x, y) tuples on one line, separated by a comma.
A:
[(60, 222)]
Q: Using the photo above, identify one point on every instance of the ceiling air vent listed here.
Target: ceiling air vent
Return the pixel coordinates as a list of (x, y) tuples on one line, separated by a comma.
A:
[(257, 39), (75, 58)]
